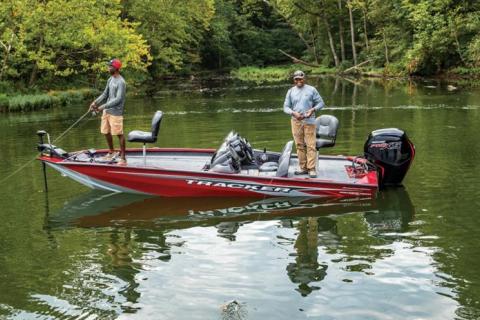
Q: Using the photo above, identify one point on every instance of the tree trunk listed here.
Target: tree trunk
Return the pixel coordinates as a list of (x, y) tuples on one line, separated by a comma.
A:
[(386, 47), (305, 42), (352, 33), (321, 15), (8, 47), (365, 28), (332, 46), (296, 60), (33, 75), (312, 30), (340, 30)]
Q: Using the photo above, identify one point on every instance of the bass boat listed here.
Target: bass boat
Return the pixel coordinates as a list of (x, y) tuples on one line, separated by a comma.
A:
[(236, 169)]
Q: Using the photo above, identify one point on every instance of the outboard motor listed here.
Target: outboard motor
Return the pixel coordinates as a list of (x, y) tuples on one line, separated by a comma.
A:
[(391, 152), (234, 152)]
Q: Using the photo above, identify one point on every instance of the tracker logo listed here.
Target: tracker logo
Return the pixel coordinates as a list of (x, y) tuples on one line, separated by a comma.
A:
[(253, 208), (234, 185)]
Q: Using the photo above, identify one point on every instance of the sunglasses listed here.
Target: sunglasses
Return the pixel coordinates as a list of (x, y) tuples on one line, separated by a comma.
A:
[(298, 79)]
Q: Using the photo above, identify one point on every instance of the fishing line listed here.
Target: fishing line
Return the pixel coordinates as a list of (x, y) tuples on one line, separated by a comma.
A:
[(69, 128), (57, 139)]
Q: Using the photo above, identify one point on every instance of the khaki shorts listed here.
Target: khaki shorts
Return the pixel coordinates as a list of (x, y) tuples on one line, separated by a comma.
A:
[(111, 124)]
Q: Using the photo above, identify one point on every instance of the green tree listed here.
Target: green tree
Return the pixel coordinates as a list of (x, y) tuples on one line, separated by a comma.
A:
[(247, 32), (443, 30), (60, 38), (173, 29)]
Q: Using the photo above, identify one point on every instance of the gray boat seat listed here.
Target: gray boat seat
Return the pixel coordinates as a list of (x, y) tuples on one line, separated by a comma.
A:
[(145, 136), (326, 131), (268, 167), (283, 164)]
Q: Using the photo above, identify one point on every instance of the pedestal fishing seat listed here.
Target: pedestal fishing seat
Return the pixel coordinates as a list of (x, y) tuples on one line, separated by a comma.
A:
[(326, 131), (147, 137)]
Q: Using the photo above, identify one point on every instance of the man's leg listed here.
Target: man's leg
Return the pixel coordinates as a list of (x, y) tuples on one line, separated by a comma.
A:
[(105, 129), (121, 139), (297, 132), (108, 136), (117, 129), (311, 142)]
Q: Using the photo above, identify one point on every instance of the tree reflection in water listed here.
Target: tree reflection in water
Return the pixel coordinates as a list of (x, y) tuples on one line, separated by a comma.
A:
[(140, 229)]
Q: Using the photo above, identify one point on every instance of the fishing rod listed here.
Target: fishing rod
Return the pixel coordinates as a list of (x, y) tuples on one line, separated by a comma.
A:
[(41, 133)]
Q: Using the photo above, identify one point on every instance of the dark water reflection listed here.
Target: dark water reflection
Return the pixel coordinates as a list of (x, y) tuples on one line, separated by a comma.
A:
[(144, 229), (411, 253)]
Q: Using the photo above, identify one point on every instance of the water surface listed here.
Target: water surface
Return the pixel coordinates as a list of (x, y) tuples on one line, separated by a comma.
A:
[(410, 254)]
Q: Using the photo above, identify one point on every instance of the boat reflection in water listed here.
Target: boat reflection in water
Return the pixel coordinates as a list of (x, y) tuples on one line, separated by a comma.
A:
[(117, 209), (323, 230)]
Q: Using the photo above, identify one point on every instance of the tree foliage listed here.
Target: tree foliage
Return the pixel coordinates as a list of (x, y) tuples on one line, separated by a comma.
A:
[(45, 41), (60, 38), (174, 30), (414, 36)]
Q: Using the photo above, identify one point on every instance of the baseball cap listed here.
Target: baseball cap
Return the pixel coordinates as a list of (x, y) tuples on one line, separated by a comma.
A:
[(298, 74), (116, 63)]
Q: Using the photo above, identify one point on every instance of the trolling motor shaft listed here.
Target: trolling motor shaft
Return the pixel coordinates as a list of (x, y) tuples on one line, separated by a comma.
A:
[(40, 134)]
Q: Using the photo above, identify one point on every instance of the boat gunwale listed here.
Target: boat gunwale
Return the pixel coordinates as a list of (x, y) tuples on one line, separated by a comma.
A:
[(206, 174)]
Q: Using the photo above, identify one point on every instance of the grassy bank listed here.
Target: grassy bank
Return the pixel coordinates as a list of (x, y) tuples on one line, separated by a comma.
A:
[(276, 73), (282, 73), (30, 102)]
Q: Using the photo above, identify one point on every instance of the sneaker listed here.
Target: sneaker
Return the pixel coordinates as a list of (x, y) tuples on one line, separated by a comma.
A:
[(122, 162), (300, 172), (110, 156), (312, 174)]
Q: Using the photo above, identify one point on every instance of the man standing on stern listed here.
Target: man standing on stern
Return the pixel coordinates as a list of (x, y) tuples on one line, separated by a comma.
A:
[(301, 103), (112, 109)]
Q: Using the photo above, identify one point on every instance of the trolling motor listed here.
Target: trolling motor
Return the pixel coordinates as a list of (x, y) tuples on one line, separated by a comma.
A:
[(391, 152), (48, 148)]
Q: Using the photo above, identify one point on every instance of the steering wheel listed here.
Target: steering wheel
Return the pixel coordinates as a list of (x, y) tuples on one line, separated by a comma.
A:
[(247, 149), (234, 154)]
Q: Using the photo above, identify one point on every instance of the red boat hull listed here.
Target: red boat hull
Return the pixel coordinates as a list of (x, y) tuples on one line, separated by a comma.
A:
[(183, 183)]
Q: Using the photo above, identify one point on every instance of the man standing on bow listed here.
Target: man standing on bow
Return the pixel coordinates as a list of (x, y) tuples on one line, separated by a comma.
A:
[(301, 103), (112, 110)]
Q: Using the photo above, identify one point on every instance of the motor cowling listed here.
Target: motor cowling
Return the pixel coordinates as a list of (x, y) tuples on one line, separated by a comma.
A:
[(391, 152)]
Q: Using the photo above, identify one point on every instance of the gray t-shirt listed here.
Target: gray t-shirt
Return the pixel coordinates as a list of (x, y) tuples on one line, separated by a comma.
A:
[(301, 100), (114, 94)]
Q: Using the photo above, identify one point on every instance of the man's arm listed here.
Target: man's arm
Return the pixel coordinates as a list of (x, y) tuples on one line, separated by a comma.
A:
[(287, 105), (104, 95), (317, 103), (317, 100), (119, 97), (101, 98)]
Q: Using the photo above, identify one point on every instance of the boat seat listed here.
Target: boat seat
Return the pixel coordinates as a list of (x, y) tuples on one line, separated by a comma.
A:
[(268, 167), (281, 167), (326, 131), (284, 161), (145, 136)]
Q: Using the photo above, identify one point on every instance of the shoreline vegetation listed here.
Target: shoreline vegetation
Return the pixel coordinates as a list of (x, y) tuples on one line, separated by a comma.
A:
[(32, 102), (44, 46), (281, 73), (18, 102)]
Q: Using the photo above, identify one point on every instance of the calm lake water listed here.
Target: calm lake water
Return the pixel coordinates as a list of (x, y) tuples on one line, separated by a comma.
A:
[(413, 253)]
